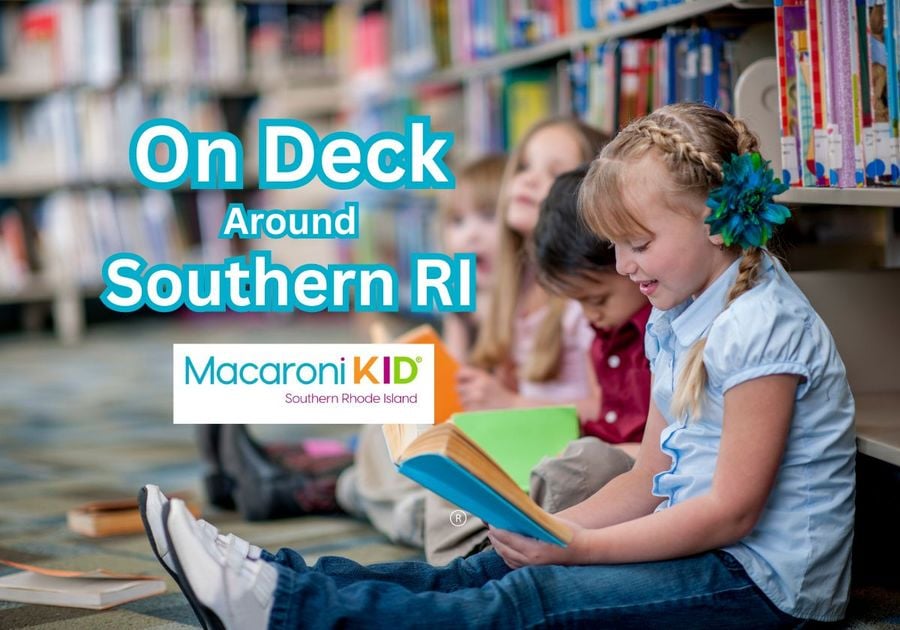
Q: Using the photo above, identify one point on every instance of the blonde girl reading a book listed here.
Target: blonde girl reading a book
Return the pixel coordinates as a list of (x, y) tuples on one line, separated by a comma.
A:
[(531, 346), (573, 263), (739, 509), (372, 488)]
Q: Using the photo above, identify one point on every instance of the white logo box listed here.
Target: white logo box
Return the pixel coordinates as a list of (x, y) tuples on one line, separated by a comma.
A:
[(303, 383)]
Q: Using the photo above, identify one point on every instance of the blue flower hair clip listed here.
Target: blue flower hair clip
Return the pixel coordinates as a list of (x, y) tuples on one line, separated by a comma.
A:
[(743, 207)]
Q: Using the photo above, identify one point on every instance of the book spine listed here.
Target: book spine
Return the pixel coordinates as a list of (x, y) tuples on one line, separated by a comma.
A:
[(878, 165), (892, 34), (672, 39), (788, 17), (806, 123), (579, 73), (844, 84), (600, 90), (630, 82), (615, 70), (856, 72), (814, 42), (835, 161), (586, 18), (865, 78), (659, 74), (645, 77), (692, 67), (709, 66)]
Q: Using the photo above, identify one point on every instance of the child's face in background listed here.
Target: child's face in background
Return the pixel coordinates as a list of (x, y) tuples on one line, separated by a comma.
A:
[(607, 299), (550, 152), (678, 259), (471, 228)]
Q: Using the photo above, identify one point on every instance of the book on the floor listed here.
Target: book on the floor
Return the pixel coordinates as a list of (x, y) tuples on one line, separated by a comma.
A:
[(448, 462), (446, 400), (99, 519), (98, 589)]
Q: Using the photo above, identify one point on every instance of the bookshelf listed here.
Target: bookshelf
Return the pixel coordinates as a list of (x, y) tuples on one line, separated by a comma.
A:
[(363, 80), (878, 425), (370, 92), (582, 38), (214, 65)]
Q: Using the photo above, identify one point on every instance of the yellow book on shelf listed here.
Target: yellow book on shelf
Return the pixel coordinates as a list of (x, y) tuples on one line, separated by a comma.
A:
[(449, 463)]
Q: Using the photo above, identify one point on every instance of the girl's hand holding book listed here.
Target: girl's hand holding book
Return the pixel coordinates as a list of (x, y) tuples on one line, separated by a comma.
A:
[(480, 390), (520, 551)]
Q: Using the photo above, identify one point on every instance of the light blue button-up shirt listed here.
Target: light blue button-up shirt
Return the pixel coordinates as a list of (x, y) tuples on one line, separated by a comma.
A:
[(799, 551)]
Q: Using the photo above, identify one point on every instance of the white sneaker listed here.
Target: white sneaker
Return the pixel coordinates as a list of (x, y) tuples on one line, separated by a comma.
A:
[(225, 588), (151, 501)]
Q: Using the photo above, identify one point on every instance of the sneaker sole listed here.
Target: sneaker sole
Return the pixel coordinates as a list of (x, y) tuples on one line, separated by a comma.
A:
[(208, 618), (142, 508)]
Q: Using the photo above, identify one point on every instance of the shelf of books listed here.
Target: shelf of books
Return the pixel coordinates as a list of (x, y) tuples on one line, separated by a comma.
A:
[(478, 49), (77, 77)]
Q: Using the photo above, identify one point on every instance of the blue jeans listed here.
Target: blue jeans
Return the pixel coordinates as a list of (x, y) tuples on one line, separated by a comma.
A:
[(710, 590)]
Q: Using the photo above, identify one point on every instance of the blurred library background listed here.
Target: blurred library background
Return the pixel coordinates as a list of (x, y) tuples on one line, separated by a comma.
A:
[(86, 392)]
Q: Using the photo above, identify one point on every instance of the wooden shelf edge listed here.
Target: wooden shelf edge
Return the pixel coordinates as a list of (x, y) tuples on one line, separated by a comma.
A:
[(874, 197), (878, 425), (16, 90)]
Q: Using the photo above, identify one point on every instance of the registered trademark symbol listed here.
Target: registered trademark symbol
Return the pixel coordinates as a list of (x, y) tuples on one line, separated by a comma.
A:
[(418, 359), (458, 518)]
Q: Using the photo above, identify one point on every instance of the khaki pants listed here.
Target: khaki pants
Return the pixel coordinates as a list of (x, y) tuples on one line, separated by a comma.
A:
[(557, 483), (373, 489)]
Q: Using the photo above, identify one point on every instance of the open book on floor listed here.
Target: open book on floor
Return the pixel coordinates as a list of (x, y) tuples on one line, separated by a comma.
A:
[(450, 463), (96, 590)]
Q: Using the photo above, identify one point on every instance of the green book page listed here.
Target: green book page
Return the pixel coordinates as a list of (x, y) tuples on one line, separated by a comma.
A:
[(517, 439)]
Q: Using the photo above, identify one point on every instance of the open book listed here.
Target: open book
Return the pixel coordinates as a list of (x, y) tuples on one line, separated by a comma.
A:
[(96, 590), (450, 463)]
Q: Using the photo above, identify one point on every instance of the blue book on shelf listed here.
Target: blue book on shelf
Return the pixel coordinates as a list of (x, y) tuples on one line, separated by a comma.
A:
[(671, 41), (586, 17), (482, 31), (579, 68)]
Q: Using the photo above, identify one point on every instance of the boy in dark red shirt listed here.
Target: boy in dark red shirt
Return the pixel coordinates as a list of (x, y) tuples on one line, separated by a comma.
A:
[(575, 263)]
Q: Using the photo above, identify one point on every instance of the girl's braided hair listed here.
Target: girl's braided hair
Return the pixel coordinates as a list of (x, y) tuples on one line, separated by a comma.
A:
[(693, 141)]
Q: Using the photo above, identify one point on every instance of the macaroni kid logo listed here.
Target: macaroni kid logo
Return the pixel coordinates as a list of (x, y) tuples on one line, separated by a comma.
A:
[(303, 383)]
